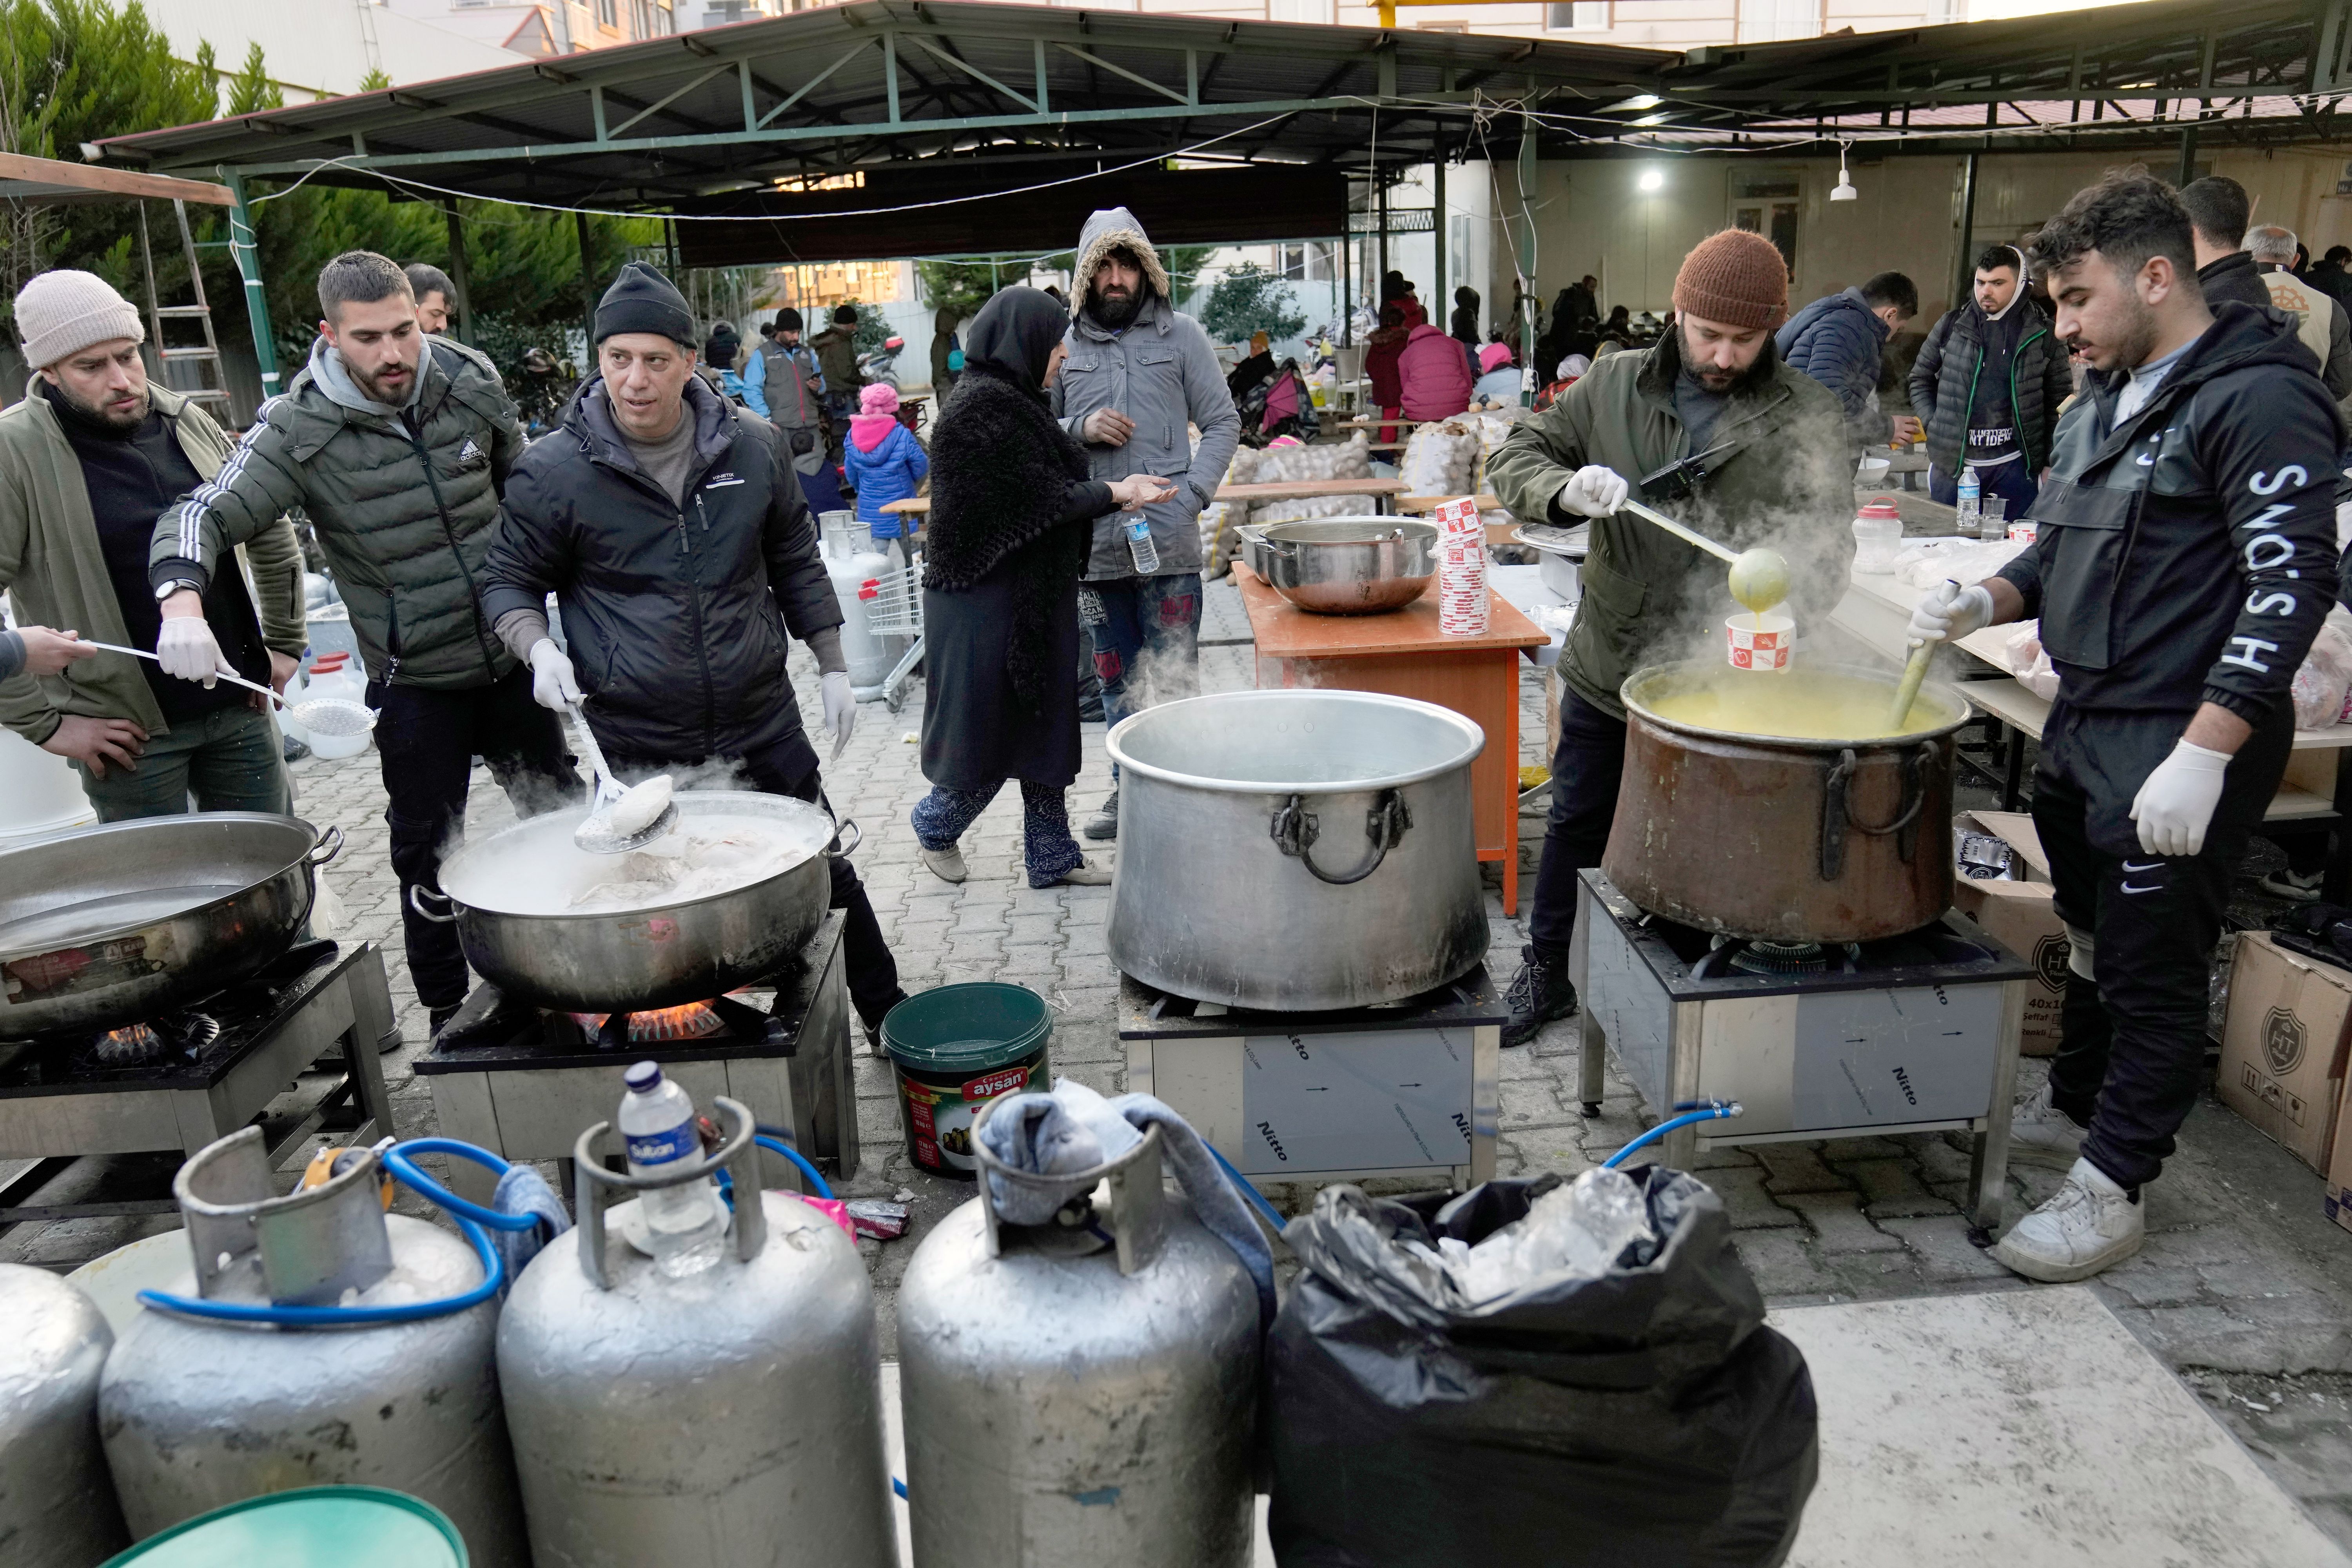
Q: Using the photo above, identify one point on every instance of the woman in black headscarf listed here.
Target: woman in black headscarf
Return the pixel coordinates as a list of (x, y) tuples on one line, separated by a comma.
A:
[(1011, 518)]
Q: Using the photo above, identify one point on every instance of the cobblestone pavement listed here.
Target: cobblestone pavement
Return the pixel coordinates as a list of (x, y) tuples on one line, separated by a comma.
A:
[(2245, 1287)]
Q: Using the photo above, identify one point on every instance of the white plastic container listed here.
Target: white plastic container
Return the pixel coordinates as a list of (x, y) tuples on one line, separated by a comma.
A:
[(1878, 538)]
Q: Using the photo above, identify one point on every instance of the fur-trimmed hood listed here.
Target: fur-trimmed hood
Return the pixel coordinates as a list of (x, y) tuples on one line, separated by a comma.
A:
[(1114, 228)]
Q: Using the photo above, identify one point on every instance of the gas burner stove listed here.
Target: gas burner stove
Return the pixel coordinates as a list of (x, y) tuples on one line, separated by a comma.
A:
[(525, 1081), (1915, 1033), (171, 1046), (490, 1020)]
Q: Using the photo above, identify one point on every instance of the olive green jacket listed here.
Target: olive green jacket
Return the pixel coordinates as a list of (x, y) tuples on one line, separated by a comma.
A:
[(405, 521), (1650, 599), (55, 572)]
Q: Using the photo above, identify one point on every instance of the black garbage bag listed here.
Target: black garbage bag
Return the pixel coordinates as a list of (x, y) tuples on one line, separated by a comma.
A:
[(1643, 1418)]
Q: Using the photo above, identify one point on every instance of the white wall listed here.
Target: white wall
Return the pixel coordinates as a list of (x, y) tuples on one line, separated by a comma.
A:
[(320, 48)]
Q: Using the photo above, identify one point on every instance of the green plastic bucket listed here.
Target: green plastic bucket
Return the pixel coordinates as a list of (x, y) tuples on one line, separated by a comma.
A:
[(953, 1050), (317, 1527)]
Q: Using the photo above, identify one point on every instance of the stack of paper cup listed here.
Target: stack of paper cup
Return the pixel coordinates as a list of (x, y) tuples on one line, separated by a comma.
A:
[(1461, 569)]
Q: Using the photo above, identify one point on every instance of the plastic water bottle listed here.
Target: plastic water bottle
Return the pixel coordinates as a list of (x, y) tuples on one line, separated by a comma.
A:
[(1139, 545), (685, 1224), (1969, 491)]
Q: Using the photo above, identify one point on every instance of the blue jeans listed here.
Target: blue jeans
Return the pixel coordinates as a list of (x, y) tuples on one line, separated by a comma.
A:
[(1146, 633), (1047, 850), (2012, 482), (229, 759)]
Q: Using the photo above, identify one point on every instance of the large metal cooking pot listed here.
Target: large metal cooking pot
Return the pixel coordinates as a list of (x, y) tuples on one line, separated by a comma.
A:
[(1346, 565), (1297, 851), (1790, 839), (509, 896), (104, 926)]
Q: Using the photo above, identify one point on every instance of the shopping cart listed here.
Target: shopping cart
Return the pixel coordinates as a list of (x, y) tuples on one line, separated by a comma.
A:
[(894, 607)]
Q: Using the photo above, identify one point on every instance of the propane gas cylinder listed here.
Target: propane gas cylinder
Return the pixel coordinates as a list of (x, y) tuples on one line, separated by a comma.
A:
[(57, 1503), (1082, 1393), (733, 1416), (197, 1413)]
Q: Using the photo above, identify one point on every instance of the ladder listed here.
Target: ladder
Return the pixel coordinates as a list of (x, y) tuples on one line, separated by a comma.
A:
[(211, 379)]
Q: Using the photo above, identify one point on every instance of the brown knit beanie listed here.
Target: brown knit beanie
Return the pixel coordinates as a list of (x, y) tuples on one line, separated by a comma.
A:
[(1734, 277)]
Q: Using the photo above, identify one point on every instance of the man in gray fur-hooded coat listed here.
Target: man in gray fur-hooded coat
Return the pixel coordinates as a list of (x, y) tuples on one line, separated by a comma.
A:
[(1138, 375)]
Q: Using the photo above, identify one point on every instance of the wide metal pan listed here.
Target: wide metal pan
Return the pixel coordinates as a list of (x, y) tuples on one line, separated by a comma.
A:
[(107, 925), (509, 896), (1346, 565)]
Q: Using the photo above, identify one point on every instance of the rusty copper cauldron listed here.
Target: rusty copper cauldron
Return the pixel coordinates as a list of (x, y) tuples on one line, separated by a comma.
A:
[(1784, 838)]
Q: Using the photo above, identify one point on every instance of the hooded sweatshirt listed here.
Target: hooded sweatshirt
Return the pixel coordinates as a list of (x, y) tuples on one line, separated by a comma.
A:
[(1161, 371)]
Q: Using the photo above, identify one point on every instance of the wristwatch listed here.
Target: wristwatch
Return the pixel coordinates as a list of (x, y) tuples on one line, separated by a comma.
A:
[(165, 590)]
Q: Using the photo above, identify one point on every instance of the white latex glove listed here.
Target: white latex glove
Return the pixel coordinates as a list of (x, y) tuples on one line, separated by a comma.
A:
[(1594, 491), (185, 647), (840, 708), (2176, 804), (552, 682), (1948, 612)]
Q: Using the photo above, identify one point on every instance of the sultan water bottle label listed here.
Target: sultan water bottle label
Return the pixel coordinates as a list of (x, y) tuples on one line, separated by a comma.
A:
[(678, 1142)]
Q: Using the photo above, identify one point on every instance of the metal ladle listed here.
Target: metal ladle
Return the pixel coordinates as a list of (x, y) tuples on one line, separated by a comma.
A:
[(595, 834), (1759, 577)]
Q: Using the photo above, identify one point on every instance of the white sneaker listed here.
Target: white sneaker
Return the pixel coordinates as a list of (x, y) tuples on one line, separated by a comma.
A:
[(946, 864), (2040, 1132), (2090, 1225)]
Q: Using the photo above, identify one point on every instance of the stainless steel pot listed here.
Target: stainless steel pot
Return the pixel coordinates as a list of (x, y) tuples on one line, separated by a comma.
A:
[(1785, 839), (1297, 851), (509, 896), (1346, 565), (107, 925)]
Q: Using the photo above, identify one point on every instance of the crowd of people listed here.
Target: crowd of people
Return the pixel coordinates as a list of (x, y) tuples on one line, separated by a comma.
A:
[(667, 508), (2154, 385)]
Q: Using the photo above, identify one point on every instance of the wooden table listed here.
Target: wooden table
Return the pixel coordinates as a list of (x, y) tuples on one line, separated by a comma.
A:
[(1403, 654), (913, 506), (1431, 504), (1380, 492)]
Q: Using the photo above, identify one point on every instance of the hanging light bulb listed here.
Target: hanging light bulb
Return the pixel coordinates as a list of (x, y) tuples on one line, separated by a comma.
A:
[(1844, 191)]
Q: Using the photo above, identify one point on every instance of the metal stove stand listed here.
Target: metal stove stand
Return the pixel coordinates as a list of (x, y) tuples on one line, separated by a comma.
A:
[(232, 1055), (525, 1082), (1404, 1090), (1913, 1034)]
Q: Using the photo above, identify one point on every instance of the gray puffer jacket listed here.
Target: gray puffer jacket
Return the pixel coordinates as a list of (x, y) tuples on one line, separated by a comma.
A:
[(404, 501), (1160, 371)]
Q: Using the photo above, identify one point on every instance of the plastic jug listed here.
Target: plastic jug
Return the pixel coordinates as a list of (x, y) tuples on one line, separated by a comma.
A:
[(1877, 536)]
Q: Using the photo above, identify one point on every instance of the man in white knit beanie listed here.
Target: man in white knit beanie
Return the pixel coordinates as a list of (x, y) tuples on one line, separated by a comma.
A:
[(78, 556)]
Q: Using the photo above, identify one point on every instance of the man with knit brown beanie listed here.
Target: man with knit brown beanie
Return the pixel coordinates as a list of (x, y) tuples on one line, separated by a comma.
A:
[(87, 461), (1715, 429)]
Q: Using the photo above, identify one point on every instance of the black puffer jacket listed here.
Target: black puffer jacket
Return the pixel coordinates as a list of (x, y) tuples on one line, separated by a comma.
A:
[(676, 617), (2187, 553), (1945, 390)]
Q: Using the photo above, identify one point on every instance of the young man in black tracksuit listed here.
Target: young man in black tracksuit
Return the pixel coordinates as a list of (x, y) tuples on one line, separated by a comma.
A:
[(673, 530), (2184, 559)]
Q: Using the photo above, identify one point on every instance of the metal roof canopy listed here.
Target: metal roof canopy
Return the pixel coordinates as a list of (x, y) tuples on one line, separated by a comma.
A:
[(877, 82), (667, 123)]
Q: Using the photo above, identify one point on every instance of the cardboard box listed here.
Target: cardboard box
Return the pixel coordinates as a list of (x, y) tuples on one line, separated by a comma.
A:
[(2018, 916), (2282, 1046), (2339, 1171)]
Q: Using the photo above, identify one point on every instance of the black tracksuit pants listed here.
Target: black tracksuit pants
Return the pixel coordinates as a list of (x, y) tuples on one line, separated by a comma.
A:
[(427, 740), (789, 767), (1586, 771), (2132, 1057)]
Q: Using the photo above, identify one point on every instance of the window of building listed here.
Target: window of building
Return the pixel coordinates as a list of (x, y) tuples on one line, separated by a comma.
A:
[(608, 12), (1443, 26), (1578, 17), (1310, 262)]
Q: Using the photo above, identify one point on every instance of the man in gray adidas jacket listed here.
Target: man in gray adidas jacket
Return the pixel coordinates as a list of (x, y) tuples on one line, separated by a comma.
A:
[(398, 448)]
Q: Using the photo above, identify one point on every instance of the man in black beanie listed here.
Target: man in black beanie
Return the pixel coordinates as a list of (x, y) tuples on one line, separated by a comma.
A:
[(669, 524), (836, 355)]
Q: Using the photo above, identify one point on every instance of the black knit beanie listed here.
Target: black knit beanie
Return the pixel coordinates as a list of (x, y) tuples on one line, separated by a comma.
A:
[(787, 319), (845, 315), (641, 301)]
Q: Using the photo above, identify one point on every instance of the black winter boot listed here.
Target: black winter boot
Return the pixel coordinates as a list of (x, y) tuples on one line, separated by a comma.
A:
[(1538, 994)]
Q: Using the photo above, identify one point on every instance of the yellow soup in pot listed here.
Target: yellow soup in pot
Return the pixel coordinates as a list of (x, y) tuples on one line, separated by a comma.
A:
[(1797, 704)]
